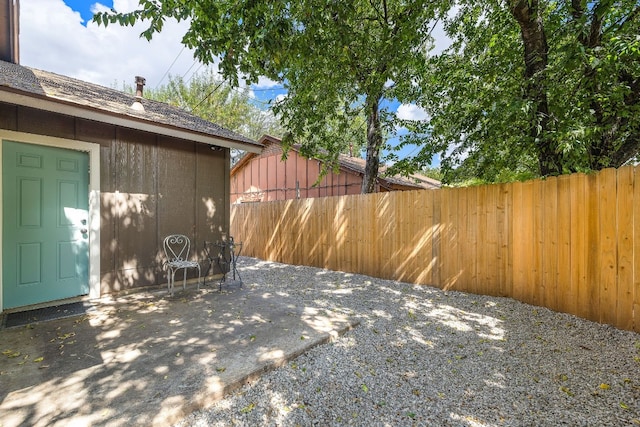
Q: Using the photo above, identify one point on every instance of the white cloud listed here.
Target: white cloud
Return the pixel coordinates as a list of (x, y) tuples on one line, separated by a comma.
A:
[(263, 84), (411, 112), (440, 39), (52, 38), (122, 5), (266, 83)]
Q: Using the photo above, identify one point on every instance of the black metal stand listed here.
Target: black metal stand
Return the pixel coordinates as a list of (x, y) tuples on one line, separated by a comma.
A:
[(225, 254)]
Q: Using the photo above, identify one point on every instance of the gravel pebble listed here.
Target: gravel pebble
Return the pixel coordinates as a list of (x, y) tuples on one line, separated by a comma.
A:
[(423, 356)]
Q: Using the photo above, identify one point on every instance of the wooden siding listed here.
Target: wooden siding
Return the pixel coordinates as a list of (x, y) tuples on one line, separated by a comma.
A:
[(266, 178), (151, 186), (571, 243)]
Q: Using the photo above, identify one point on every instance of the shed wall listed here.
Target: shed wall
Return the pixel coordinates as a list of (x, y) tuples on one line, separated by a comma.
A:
[(266, 178), (151, 186)]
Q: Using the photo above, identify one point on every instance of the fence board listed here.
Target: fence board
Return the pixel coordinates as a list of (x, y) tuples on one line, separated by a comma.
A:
[(286, 231), (346, 257), (508, 240), (313, 221), (624, 311), (465, 237), (338, 227), (437, 239), (368, 216), (536, 274), (608, 273), (636, 252), (579, 245), (360, 232), (492, 259), (570, 243), (528, 243), (478, 233), (450, 243), (517, 243), (426, 264), (270, 234), (565, 293), (410, 242), (592, 244), (504, 266), (550, 243)]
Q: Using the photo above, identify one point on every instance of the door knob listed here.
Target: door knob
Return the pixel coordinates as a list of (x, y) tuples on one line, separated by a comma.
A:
[(84, 231)]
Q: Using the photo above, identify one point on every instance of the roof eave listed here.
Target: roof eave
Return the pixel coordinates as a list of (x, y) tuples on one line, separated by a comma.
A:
[(90, 113), (242, 162)]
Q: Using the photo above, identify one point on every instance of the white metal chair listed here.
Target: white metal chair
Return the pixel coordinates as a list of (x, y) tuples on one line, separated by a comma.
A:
[(176, 249)]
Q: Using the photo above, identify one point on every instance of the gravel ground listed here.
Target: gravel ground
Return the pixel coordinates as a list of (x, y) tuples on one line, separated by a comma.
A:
[(422, 356)]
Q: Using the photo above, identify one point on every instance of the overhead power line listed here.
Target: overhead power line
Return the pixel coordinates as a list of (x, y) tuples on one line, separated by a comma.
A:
[(169, 69)]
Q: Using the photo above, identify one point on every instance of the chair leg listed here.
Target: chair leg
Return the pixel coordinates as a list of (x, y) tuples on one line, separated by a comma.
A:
[(170, 279)]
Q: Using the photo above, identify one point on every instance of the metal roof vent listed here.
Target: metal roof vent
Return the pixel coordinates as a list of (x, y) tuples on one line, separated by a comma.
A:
[(137, 104)]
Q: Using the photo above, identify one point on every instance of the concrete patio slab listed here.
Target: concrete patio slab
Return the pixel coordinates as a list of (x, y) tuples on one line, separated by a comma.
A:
[(150, 359)]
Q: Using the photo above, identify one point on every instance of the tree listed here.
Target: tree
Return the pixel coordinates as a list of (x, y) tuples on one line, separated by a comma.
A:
[(336, 58), (534, 86), (207, 96)]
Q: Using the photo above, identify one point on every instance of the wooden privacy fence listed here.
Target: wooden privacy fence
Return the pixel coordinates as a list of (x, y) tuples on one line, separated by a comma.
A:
[(570, 243)]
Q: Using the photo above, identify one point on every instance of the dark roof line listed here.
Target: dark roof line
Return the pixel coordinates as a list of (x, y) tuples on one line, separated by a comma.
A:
[(57, 88)]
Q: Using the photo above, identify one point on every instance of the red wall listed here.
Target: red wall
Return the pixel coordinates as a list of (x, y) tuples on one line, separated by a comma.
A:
[(266, 177)]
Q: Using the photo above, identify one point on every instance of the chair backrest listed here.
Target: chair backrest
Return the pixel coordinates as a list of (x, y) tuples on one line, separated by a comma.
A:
[(177, 247)]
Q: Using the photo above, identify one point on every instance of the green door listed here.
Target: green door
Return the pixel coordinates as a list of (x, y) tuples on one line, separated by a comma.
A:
[(45, 251)]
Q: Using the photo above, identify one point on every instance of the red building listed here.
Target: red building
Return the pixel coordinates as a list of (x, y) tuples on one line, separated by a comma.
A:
[(265, 176)]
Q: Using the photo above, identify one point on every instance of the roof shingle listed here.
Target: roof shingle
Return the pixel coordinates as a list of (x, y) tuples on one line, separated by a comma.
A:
[(56, 87)]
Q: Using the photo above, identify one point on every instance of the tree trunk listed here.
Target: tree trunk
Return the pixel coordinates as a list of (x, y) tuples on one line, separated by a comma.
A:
[(607, 150), (528, 15), (374, 143)]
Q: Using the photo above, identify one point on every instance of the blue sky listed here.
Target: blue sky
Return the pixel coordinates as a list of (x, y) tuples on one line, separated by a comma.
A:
[(58, 36), (84, 7)]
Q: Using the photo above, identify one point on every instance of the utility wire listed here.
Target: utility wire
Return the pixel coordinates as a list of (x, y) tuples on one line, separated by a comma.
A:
[(193, 74), (208, 95), (236, 89), (189, 69), (168, 69)]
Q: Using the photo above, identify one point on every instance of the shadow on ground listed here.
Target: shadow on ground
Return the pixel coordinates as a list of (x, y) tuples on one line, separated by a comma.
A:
[(150, 359)]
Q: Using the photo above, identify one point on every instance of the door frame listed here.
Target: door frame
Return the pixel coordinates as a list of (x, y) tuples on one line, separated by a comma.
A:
[(93, 191)]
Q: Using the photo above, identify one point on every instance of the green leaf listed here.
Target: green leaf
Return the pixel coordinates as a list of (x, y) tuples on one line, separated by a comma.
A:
[(566, 391), (248, 408), (336, 59), (11, 354)]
